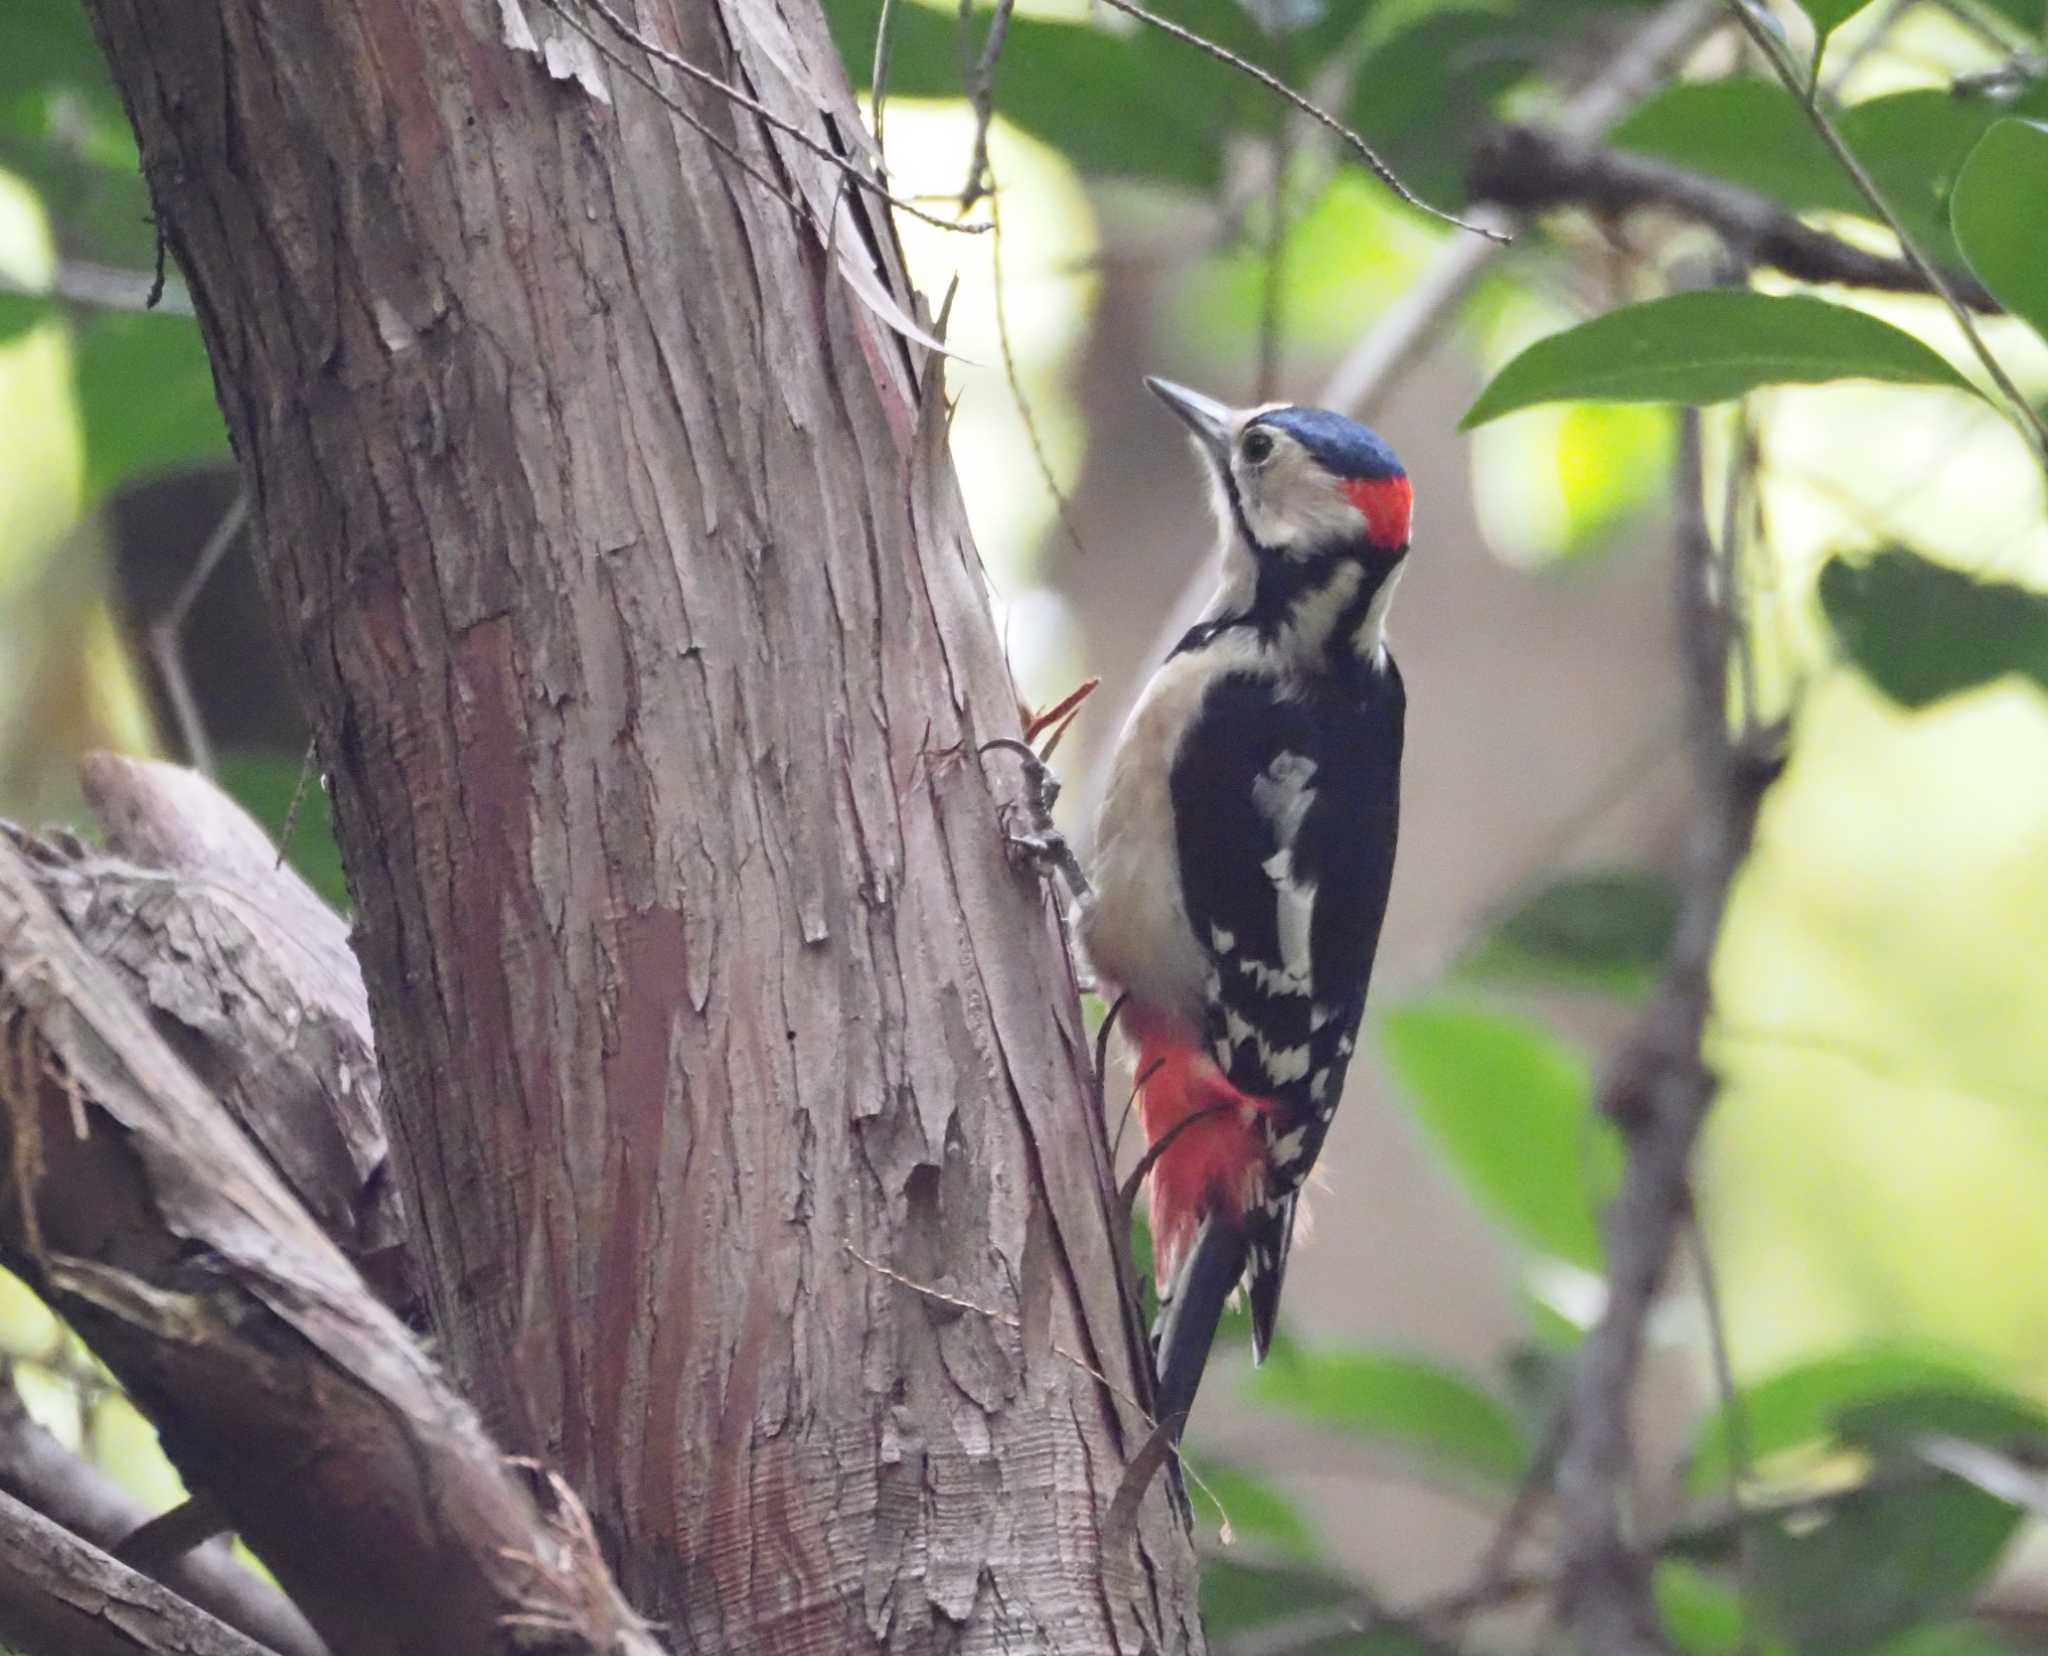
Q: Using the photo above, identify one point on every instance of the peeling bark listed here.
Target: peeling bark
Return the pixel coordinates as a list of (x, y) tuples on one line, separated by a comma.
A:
[(60, 1596), (280, 1386), (617, 543)]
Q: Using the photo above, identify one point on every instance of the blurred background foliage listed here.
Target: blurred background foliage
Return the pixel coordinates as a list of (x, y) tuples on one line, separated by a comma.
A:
[(1873, 1178)]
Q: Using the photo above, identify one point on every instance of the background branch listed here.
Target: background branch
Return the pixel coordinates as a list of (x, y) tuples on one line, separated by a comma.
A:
[(1527, 169), (1657, 1091), (39, 1472), (60, 1596)]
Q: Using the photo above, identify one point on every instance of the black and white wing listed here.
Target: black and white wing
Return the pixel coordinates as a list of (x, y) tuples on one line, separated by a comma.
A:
[(1287, 806)]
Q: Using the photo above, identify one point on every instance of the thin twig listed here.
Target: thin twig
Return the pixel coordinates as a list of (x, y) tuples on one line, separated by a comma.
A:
[(1748, 1560), (1322, 117), (981, 95), (106, 287), (291, 811), (1137, 1086), (1657, 1092), (1032, 435), (1378, 361), (1496, 1567), (2019, 408), (1272, 296), (1102, 1032), (1009, 1319), (878, 78), (167, 635), (753, 106), (160, 274)]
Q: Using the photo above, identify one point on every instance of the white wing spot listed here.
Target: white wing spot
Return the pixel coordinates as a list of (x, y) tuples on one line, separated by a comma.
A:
[(1283, 796), (1224, 941), (1283, 1064), (1273, 980)]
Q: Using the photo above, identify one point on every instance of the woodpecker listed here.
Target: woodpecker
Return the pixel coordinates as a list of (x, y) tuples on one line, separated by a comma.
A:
[(1243, 850)]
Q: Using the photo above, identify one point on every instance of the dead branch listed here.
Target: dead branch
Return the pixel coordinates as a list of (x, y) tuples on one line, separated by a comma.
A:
[(1528, 169), (39, 1472), (60, 1596), (1657, 1091), (280, 1385), (248, 976)]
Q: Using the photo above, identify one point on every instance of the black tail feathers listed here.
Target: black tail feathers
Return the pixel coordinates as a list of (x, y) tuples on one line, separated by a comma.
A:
[(1190, 1306)]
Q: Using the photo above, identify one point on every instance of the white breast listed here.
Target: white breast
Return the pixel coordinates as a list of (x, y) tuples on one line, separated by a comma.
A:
[(1136, 931)]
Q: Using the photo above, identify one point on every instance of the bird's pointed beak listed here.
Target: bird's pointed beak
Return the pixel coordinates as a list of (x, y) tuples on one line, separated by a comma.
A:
[(1212, 422)]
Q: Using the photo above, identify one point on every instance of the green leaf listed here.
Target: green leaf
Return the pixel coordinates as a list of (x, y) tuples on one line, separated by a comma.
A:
[(2031, 15), (1944, 1639), (1754, 133), (1254, 1507), (1407, 1400), (1606, 931), (1996, 211), (1706, 348), (1509, 1106), (1827, 16), (1745, 130), (1802, 1406), (1239, 1597), (49, 43), (1703, 1617), (1921, 631), (1431, 79), (1879, 1562), (146, 391), (1118, 103), (1896, 1427), (20, 312)]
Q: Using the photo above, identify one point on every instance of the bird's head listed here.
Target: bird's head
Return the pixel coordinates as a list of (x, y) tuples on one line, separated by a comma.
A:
[(1298, 480), (1315, 510)]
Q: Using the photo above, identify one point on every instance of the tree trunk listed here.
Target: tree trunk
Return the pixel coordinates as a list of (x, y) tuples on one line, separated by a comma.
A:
[(614, 534)]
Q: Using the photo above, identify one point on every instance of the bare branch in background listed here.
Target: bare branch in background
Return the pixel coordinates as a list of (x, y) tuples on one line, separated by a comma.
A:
[(107, 287), (60, 1596), (1657, 1091), (980, 81), (1527, 169), (39, 1472), (1322, 117), (656, 53), (1379, 361), (167, 634), (2023, 413), (1025, 411)]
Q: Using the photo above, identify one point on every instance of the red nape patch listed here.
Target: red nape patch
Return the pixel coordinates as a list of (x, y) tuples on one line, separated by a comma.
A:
[(1212, 1162), (1386, 503)]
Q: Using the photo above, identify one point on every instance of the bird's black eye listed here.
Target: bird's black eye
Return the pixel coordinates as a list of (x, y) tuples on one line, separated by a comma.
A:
[(1257, 446)]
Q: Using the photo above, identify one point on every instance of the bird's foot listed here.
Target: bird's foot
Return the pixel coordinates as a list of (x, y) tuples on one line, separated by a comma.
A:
[(1033, 841)]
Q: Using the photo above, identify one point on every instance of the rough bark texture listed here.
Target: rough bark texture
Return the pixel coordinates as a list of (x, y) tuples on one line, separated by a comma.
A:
[(137, 1207), (60, 1596), (249, 977), (651, 657)]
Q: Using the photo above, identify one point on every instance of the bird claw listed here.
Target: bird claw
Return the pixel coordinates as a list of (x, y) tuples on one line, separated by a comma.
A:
[(1033, 842)]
